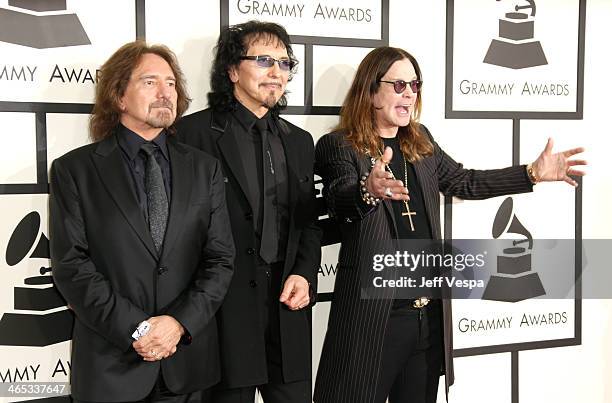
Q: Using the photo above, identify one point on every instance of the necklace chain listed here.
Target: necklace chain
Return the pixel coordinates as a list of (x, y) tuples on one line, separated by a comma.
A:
[(408, 212)]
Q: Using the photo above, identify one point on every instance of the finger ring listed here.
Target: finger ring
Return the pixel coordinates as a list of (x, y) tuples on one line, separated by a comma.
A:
[(153, 353), (388, 192)]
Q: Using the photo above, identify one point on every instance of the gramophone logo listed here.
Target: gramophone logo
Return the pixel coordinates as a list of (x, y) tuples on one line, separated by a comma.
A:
[(514, 281), (42, 24), (516, 47), (29, 325)]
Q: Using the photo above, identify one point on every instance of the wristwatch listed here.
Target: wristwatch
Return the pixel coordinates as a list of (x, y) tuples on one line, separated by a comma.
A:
[(142, 329)]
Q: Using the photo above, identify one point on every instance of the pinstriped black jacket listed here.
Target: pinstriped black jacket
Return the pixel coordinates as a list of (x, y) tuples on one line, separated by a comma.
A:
[(351, 357)]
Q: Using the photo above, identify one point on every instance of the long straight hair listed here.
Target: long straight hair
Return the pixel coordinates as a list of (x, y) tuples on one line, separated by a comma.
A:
[(358, 114)]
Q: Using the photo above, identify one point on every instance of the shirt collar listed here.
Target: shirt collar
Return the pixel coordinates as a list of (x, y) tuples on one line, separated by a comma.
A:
[(247, 118), (131, 142)]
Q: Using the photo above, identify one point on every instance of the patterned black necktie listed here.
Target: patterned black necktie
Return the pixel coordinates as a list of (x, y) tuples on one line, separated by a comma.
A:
[(157, 200), (268, 249)]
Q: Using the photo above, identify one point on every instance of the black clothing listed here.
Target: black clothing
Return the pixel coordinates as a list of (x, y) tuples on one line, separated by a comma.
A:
[(135, 160), (259, 159), (351, 363), (243, 329), (108, 269), (416, 203)]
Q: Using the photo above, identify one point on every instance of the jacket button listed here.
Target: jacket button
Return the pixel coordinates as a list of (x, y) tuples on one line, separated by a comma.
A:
[(250, 251), (253, 283), (248, 216), (161, 270)]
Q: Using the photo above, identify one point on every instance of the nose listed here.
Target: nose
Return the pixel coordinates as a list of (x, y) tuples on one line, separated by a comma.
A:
[(164, 90), (408, 92), (274, 70)]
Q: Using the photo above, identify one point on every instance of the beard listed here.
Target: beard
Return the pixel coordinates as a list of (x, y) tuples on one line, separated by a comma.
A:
[(270, 100), (162, 118), (161, 114)]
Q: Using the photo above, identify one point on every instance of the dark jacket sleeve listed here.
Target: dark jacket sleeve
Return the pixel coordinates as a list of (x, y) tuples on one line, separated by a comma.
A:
[(198, 304), (474, 184), (86, 290), (308, 257), (337, 165)]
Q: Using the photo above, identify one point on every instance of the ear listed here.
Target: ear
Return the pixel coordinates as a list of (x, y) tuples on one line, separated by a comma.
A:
[(233, 74)]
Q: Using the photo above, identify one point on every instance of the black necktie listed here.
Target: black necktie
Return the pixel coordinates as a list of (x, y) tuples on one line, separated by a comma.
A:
[(268, 249), (157, 200)]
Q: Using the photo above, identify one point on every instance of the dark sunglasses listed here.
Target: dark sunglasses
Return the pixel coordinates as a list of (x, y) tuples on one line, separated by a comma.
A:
[(266, 61), (399, 86)]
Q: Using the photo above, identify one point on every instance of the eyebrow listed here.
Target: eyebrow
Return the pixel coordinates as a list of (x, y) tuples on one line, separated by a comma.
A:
[(143, 77), (397, 79)]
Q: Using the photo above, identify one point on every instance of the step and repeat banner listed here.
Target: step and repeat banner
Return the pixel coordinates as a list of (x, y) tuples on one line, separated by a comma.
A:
[(504, 60)]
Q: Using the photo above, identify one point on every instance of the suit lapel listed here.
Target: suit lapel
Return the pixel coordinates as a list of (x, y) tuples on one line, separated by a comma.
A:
[(391, 214), (228, 147), (111, 168), (182, 181)]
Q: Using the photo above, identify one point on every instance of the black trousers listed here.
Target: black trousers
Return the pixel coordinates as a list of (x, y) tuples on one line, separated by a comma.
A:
[(412, 355), (276, 390), (294, 392), (161, 394)]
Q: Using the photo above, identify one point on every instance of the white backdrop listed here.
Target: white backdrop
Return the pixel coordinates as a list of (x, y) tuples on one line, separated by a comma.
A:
[(42, 118)]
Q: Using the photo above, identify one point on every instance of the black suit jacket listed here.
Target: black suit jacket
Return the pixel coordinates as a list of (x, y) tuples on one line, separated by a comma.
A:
[(243, 355), (350, 361), (106, 266)]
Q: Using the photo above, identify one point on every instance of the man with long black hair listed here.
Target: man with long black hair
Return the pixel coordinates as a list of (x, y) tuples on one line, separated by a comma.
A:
[(265, 320)]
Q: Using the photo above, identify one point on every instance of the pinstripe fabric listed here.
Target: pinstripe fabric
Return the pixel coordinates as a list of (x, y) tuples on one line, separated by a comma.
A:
[(351, 357)]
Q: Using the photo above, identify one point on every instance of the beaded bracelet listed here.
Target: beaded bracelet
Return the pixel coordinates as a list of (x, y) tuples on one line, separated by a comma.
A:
[(365, 195)]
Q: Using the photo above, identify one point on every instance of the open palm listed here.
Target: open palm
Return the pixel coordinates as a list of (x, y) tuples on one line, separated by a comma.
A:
[(558, 166)]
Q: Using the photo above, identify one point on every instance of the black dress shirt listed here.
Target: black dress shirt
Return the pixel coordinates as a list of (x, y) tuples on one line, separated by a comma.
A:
[(416, 202), (422, 228), (135, 162), (250, 149)]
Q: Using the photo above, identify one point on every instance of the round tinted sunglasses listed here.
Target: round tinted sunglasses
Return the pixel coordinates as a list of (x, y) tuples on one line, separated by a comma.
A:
[(266, 61), (399, 86)]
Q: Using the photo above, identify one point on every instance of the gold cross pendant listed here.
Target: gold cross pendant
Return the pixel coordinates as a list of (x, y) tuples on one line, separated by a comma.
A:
[(409, 214)]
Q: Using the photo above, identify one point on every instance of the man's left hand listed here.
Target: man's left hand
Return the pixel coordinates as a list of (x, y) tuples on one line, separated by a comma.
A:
[(295, 292), (162, 339), (557, 166)]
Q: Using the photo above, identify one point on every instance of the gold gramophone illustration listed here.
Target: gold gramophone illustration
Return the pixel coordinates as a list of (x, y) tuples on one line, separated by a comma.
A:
[(516, 48), (514, 281)]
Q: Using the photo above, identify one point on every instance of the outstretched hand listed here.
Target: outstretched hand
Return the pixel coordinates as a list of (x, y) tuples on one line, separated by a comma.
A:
[(558, 166)]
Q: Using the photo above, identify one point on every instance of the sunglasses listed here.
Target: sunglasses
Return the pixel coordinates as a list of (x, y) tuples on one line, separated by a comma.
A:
[(399, 86), (266, 61)]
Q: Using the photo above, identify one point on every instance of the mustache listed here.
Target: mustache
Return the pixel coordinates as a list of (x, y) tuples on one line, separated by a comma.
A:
[(163, 103), (270, 83)]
